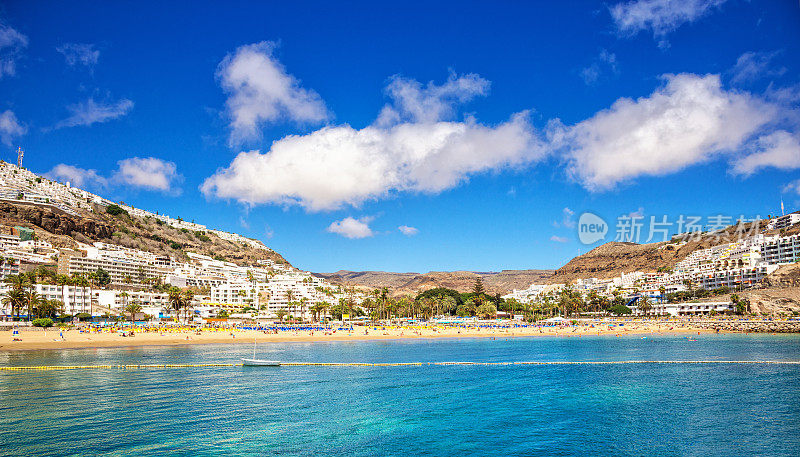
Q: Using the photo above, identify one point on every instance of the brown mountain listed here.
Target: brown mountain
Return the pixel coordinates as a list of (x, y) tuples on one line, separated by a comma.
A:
[(462, 281), (64, 230), (614, 258)]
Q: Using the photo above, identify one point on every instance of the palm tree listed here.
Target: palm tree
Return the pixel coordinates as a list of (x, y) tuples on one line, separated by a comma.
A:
[(186, 298), (17, 282), (132, 309), (384, 294), (290, 299), (281, 313), (324, 307), (176, 300), (32, 300), (303, 302), (15, 299), (48, 308), (124, 296), (314, 312), (644, 305)]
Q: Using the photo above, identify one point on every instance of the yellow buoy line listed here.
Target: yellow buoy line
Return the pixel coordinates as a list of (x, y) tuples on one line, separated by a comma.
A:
[(402, 364)]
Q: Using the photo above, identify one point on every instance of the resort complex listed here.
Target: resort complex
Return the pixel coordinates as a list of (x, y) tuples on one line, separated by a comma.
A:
[(105, 279)]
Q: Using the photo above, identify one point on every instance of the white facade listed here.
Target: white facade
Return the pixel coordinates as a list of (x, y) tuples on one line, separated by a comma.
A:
[(687, 309)]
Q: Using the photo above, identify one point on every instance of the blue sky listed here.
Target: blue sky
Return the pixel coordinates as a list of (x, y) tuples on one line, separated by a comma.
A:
[(437, 136)]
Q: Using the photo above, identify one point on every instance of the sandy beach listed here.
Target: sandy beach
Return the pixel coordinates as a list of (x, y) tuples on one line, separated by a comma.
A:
[(73, 338)]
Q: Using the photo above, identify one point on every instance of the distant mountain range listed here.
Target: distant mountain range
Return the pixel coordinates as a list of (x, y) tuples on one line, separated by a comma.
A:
[(412, 283)]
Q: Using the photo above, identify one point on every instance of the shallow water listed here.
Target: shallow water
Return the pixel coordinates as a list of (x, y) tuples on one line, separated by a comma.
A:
[(675, 409)]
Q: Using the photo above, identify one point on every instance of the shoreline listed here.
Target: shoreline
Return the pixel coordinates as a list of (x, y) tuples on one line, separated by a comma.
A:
[(33, 340), (40, 340)]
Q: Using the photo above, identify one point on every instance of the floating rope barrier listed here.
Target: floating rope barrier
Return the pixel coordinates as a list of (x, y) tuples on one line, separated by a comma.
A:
[(401, 364)]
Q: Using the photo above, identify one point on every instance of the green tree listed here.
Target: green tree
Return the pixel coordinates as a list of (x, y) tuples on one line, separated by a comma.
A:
[(48, 308), (620, 309), (175, 298), (42, 322), (115, 210), (644, 305), (14, 299), (487, 311), (102, 277), (32, 301), (281, 313), (132, 309)]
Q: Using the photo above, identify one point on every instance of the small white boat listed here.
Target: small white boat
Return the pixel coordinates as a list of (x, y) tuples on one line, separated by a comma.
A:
[(254, 362), (260, 363)]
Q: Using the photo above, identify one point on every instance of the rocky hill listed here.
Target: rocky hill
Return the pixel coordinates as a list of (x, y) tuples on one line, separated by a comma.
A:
[(614, 258), (462, 281), (65, 230)]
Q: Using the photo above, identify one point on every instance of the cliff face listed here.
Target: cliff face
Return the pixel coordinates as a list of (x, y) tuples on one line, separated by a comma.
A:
[(463, 281), (54, 221), (785, 276), (63, 230)]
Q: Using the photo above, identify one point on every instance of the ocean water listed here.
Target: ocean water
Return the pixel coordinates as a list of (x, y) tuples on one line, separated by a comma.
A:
[(675, 409)]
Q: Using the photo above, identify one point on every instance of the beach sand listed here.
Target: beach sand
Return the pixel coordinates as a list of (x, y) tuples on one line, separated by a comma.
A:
[(51, 339)]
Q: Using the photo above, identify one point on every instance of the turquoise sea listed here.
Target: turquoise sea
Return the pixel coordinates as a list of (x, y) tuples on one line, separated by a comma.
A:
[(643, 409)]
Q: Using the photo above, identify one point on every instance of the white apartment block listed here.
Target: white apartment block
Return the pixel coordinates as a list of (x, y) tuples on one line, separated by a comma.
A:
[(95, 301), (687, 309), (275, 294), (9, 267), (781, 250), (785, 221), (122, 271), (9, 242), (533, 293)]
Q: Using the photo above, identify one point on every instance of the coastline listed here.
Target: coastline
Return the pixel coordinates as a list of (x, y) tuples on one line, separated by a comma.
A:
[(73, 339)]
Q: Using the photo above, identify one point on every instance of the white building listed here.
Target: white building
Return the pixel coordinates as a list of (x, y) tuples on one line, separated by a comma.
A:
[(785, 221), (687, 309)]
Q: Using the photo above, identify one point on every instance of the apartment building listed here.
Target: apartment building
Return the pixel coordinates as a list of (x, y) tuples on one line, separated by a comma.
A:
[(784, 221), (781, 250), (688, 309), (122, 271)]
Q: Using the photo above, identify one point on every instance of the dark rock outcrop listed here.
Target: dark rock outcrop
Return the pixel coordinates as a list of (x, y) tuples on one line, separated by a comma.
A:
[(54, 220)]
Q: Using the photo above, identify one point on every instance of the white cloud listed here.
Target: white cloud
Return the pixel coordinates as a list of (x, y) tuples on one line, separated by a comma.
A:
[(79, 54), (639, 213), (605, 62), (559, 239), (660, 16), (414, 103), (793, 186), (10, 127), (92, 112), (352, 228), (778, 149), (784, 95), (408, 231), (751, 66), (568, 220), (78, 177), (148, 172), (11, 44), (261, 91), (337, 166), (690, 120)]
